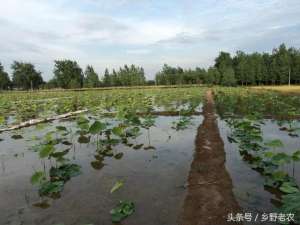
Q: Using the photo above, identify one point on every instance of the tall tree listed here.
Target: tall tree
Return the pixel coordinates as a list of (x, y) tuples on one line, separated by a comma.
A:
[(223, 60), (4, 79), (239, 62), (281, 64), (295, 65), (68, 74), (212, 76), (223, 63), (25, 76), (91, 79), (107, 78), (228, 77), (266, 67), (52, 83)]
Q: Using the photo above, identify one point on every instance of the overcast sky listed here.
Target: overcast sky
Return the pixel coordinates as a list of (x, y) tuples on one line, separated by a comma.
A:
[(111, 33)]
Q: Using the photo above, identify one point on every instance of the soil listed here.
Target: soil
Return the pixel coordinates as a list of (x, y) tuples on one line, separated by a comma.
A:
[(210, 198)]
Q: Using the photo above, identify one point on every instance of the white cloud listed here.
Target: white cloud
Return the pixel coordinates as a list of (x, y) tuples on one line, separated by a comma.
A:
[(103, 32), (138, 51)]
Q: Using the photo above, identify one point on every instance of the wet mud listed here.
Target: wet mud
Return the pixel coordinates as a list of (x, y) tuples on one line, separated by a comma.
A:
[(210, 197)]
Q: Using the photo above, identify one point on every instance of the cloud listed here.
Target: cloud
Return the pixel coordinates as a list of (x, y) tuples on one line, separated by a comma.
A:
[(186, 38), (138, 51), (115, 32)]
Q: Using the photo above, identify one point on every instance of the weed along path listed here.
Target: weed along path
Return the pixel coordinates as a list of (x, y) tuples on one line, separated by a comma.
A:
[(210, 198)]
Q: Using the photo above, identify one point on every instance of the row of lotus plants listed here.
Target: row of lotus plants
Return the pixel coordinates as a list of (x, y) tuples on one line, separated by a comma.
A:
[(245, 111), (266, 104), (104, 134), (16, 107), (266, 158)]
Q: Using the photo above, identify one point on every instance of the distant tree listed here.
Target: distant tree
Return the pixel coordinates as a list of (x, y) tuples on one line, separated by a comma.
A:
[(4, 79), (266, 60), (160, 79), (136, 76), (258, 65), (239, 64), (295, 65), (51, 84), (68, 74), (142, 77), (278, 67), (170, 74), (228, 77), (223, 63), (218, 76), (282, 64), (249, 70), (125, 76), (176, 75), (223, 60), (150, 82), (74, 84), (273, 71), (25, 76), (107, 78), (211, 76), (91, 79), (199, 76)]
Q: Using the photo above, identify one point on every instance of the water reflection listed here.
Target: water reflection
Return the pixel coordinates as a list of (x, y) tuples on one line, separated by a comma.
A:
[(154, 173), (248, 183)]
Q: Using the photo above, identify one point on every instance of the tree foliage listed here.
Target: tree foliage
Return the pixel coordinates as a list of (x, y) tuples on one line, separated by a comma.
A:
[(176, 75), (68, 74), (91, 79), (280, 67), (5, 82), (126, 76), (25, 76)]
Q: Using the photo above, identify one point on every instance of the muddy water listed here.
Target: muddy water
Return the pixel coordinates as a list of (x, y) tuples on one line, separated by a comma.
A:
[(249, 184), (154, 181)]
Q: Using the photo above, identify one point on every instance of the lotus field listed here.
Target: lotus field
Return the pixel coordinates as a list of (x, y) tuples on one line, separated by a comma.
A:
[(149, 156)]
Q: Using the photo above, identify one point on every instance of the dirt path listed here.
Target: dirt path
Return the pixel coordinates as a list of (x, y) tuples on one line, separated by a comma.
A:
[(210, 198)]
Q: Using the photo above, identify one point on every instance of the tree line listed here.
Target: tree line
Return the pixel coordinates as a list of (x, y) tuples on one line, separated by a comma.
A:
[(281, 66), (69, 75)]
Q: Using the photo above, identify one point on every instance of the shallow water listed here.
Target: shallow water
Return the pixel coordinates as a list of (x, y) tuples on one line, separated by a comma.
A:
[(248, 184), (154, 180)]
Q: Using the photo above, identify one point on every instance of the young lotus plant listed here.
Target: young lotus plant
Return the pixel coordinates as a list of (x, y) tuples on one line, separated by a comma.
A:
[(149, 121)]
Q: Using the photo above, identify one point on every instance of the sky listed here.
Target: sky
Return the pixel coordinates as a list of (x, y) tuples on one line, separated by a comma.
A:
[(111, 33)]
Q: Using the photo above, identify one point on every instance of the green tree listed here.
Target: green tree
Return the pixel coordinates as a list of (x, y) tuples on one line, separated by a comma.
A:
[(223, 63), (281, 64), (266, 68), (295, 65), (239, 62), (250, 70), (91, 79), (25, 76), (52, 84), (68, 74), (258, 64), (4, 79), (228, 77), (223, 60), (211, 76), (107, 78), (199, 76), (125, 76)]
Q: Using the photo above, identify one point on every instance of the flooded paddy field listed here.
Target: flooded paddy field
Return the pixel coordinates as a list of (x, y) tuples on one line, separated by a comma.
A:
[(170, 156), (249, 185), (261, 140), (153, 178)]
